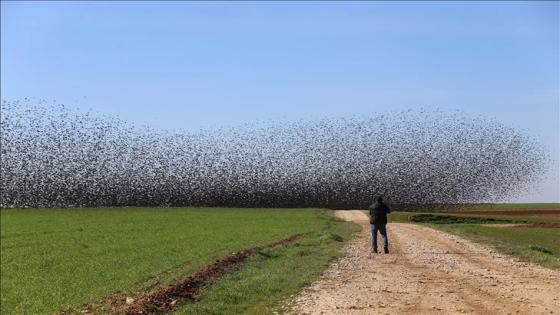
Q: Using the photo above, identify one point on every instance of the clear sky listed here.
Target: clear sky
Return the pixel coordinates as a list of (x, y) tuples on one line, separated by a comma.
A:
[(205, 64)]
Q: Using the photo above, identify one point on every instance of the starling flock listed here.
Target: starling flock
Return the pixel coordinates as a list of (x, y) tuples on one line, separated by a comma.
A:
[(52, 156)]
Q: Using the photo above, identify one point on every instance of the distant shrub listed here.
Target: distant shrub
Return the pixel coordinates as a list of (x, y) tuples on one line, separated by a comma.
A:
[(450, 219)]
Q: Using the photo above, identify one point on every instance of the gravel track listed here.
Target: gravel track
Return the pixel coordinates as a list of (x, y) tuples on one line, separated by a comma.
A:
[(427, 272)]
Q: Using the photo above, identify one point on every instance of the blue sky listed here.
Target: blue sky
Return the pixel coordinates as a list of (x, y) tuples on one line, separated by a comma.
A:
[(205, 64)]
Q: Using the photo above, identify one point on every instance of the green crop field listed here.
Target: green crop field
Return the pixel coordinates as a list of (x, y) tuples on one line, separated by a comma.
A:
[(55, 259)]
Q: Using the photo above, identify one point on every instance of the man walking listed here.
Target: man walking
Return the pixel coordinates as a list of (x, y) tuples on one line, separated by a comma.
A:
[(378, 220)]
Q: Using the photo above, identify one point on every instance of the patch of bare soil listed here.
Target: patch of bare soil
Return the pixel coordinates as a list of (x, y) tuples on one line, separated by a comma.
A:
[(429, 272), (352, 215)]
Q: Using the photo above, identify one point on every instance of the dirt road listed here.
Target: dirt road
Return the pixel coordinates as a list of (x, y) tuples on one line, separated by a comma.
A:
[(428, 272)]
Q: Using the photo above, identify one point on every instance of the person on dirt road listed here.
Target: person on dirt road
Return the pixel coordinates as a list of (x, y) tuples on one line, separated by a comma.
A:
[(378, 221)]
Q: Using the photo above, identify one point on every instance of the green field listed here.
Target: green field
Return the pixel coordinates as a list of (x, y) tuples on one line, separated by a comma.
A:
[(537, 245), (534, 244), (59, 259), (267, 280), (55, 259)]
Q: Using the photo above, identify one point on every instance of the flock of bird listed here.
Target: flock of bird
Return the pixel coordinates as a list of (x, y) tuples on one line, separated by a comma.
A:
[(52, 156)]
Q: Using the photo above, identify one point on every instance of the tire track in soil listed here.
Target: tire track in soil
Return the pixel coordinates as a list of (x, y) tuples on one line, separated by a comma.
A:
[(428, 272), (190, 287)]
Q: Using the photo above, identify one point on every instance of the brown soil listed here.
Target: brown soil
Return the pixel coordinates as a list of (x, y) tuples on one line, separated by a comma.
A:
[(428, 272), (352, 215), (536, 212), (552, 225), (190, 287)]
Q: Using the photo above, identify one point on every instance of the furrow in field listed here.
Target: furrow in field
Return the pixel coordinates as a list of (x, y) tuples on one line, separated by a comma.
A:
[(186, 289)]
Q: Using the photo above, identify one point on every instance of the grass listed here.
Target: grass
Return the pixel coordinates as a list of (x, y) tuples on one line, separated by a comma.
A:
[(53, 259), (452, 218), (267, 280), (537, 245)]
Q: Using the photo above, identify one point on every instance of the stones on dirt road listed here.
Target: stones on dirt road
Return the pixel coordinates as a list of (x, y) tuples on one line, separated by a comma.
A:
[(425, 281)]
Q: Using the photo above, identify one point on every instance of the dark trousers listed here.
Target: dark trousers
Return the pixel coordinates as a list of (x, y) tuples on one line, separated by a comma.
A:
[(382, 228)]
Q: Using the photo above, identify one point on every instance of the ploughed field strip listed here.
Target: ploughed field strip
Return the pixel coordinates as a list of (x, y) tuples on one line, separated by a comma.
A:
[(429, 272), (531, 212), (550, 225)]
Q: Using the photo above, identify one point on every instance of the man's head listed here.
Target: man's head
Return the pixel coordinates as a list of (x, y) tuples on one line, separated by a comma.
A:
[(378, 199)]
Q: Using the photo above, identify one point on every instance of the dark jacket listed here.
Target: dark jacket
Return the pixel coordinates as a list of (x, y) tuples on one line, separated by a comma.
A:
[(378, 213)]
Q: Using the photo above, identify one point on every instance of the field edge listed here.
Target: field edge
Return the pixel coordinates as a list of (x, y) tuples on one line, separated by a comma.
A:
[(269, 279)]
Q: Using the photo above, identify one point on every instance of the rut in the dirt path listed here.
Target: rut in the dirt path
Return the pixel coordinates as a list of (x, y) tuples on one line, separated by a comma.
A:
[(429, 272)]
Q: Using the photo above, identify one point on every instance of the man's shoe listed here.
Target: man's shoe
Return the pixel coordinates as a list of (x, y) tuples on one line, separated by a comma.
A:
[(386, 250), (374, 250)]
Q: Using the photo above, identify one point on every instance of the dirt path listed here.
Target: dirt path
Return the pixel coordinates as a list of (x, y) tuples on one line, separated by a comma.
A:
[(428, 272)]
